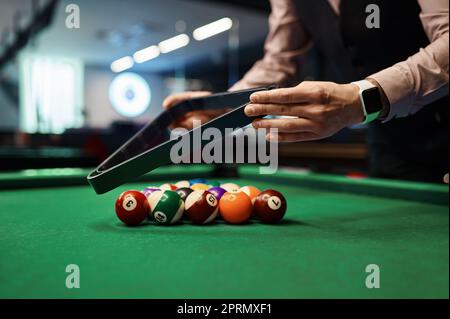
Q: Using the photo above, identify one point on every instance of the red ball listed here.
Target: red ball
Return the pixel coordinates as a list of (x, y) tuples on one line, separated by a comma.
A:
[(201, 207), (132, 207), (168, 187), (270, 206)]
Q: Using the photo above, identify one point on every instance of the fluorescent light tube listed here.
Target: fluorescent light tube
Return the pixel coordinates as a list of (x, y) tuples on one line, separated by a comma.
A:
[(146, 54), (174, 43), (122, 64), (212, 29)]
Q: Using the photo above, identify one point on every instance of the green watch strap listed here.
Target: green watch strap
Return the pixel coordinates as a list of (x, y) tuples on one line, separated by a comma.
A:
[(371, 117)]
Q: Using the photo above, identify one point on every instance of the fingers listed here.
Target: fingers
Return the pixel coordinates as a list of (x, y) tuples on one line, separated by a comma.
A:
[(187, 121), (173, 99), (274, 109), (287, 125), (214, 113), (293, 137), (305, 92), (276, 96)]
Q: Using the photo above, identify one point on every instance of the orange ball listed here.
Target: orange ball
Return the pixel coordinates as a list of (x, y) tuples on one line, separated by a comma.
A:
[(235, 207), (251, 191)]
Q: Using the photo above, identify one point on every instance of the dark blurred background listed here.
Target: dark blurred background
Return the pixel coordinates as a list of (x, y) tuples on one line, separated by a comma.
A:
[(57, 108)]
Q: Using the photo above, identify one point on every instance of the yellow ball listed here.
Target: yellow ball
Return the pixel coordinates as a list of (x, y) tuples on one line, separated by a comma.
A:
[(200, 187)]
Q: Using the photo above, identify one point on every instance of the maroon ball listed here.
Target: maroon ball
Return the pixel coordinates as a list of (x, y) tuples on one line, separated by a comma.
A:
[(270, 206), (132, 207), (201, 207), (184, 192), (217, 191)]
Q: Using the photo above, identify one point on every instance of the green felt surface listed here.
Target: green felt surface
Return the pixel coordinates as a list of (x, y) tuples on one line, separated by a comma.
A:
[(319, 251)]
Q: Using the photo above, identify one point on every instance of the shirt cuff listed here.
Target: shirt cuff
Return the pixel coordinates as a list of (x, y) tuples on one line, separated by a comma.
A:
[(396, 84)]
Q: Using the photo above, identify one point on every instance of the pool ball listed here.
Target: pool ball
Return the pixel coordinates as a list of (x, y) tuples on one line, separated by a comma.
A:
[(184, 192), (229, 187), (182, 184), (132, 207), (270, 206), (199, 187), (251, 191), (166, 207), (167, 186), (201, 207), (197, 180), (217, 191), (149, 190), (235, 207)]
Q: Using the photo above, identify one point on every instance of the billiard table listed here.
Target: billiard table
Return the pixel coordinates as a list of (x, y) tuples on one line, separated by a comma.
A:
[(333, 229)]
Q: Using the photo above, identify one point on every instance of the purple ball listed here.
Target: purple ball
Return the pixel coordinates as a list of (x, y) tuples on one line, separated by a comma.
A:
[(149, 190), (217, 191)]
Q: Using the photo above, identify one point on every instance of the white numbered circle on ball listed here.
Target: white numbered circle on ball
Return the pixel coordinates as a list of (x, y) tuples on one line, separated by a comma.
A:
[(160, 217), (274, 202), (129, 203), (211, 199)]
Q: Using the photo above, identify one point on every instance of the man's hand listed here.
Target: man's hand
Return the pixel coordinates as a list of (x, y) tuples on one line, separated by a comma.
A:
[(186, 121), (321, 109)]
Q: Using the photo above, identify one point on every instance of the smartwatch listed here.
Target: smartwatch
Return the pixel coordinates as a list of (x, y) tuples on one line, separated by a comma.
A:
[(371, 102)]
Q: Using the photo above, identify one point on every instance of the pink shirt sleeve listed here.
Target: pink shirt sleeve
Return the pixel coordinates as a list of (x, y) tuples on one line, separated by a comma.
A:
[(286, 42), (422, 78), (409, 85)]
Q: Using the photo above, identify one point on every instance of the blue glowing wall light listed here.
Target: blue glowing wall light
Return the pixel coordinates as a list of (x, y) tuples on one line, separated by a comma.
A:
[(129, 94)]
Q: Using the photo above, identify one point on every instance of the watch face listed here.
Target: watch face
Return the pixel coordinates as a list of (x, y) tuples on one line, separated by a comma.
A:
[(372, 100)]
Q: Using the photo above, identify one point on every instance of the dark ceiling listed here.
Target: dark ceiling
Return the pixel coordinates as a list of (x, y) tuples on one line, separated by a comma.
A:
[(263, 5)]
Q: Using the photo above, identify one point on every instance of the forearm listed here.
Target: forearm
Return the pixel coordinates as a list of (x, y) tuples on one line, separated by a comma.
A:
[(286, 42), (423, 77), (280, 71)]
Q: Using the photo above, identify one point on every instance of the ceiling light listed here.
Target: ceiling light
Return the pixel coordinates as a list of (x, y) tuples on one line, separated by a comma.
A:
[(146, 54), (122, 64), (174, 43), (212, 29)]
